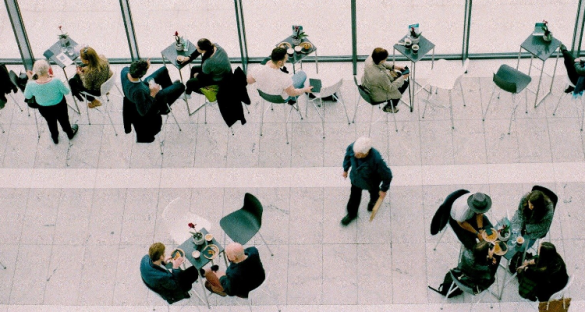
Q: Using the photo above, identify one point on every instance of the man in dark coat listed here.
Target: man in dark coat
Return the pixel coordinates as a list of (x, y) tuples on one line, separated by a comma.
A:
[(172, 286), (368, 171)]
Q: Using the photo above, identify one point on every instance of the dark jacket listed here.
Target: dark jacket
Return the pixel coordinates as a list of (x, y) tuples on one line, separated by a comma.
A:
[(232, 92), (370, 172), (243, 277), (480, 275), (441, 217), (146, 127), (580, 85), (162, 281), (532, 227), (536, 284)]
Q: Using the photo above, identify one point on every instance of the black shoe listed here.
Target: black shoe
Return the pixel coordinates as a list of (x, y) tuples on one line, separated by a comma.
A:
[(312, 96), (292, 102), (215, 268), (371, 206), (202, 272), (56, 140), (563, 48), (569, 89), (74, 129), (347, 220), (390, 109)]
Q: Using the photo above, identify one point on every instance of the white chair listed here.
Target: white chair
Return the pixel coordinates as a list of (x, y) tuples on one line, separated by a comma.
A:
[(277, 99), (457, 284), (444, 76), (561, 293), (105, 89), (176, 217), (580, 98), (333, 91), (256, 293)]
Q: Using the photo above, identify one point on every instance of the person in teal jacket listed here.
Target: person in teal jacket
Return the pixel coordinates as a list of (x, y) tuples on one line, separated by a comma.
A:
[(368, 171)]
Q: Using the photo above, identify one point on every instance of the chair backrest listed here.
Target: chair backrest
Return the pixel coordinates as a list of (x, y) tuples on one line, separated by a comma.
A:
[(550, 194), (503, 84), (253, 206), (561, 293), (463, 287), (329, 91), (176, 217), (109, 84), (276, 99), (254, 291)]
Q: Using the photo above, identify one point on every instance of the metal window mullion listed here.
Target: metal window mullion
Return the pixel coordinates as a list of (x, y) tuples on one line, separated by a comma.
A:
[(20, 33), (466, 30), (241, 33), (354, 36), (130, 31), (579, 26)]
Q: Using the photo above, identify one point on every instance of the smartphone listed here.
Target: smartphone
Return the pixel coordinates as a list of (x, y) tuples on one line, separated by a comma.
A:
[(406, 71)]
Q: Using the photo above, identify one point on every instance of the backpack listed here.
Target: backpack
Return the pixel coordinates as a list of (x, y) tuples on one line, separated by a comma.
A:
[(446, 285)]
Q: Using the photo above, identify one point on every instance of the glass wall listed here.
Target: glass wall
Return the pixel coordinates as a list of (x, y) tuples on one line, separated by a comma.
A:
[(502, 25), (156, 21), (327, 22), (97, 23), (383, 23), (8, 48)]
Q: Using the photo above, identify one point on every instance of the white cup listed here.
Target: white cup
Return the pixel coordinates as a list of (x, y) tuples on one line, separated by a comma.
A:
[(196, 254), (415, 48)]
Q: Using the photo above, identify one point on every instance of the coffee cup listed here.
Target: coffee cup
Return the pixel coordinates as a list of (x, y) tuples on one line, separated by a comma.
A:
[(298, 49), (407, 43), (415, 48), (290, 51), (196, 254), (519, 240), (209, 237)]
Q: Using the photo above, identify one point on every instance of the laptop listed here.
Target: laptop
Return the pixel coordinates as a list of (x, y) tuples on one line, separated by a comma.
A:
[(538, 31)]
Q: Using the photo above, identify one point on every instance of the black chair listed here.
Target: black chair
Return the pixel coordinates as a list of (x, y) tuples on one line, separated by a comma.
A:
[(365, 95), (513, 81), (277, 99), (241, 225)]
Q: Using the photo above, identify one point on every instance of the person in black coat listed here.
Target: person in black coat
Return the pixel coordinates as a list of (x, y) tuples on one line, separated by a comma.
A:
[(543, 275), (172, 286)]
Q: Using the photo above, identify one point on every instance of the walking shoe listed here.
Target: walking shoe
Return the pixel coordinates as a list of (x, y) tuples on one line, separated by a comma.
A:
[(94, 104), (56, 140), (569, 89), (347, 220), (74, 129), (371, 206), (389, 108)]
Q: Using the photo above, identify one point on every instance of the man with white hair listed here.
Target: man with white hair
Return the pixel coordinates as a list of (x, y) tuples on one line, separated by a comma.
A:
[(368, 171), (244, 274)]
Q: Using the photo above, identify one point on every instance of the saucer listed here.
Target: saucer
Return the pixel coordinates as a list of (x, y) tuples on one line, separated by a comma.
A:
[(177, 253), (210, 251)]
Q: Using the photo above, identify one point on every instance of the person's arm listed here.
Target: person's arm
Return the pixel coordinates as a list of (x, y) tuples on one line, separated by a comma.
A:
[(347, 159), (538, 230), (144, 102), (291, 91), (518, 221), (468, 227), (28, 93), (250, 79), (62, 87), (385, 174)]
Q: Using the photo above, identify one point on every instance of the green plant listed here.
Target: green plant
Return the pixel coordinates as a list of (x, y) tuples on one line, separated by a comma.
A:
[(505, 230), (62, 35), (545, 28), (196, 235)]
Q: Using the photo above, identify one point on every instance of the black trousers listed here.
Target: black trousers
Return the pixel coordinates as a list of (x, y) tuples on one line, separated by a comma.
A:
[(77, 87), (187, 278), (467, 238), (202, 80), (56, 113), (569, 61), (401, 89), (355, 197)]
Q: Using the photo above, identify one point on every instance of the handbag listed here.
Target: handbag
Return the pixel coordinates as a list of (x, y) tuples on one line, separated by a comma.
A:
[(32, 102), (560, 305)]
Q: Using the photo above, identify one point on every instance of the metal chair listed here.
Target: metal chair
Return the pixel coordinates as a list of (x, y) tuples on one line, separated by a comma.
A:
[(445, 77), (105, 89), (3, 266), (176, 217), (560, 294), (468, 289), (365, 95), (277, 99), (510, 80), (333, 91), (241, 225), (580, 98), (254, 293)]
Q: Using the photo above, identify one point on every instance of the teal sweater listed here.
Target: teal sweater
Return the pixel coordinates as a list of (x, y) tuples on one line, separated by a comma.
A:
[(46, 94)]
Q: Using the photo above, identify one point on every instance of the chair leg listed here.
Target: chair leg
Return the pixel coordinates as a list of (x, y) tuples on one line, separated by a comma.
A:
[(513, 113), (582, 112), (371, 118), (285, 124), (3, 265), (339, 99), (440, 238), (15, 102), (462, 96), (559, 102), (262, 118), (489, 102), (427, 102), (87, 109), (37, 124), (393, 117), (271, 253), (171, 113), (246, 107), (356, 108), (110, 117)]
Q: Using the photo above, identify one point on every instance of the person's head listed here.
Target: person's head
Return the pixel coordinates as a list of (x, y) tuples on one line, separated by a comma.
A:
[(204, 45), (278, 56), (547, 256), (536, 205), (481, 252), (156, 251), (362, 147), (138, 68), (89, 57), (479, 202), (379, 55), (235, 252), (41, 68)]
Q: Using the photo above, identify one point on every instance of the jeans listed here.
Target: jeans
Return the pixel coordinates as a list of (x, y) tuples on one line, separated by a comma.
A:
[(298, 80), (355, 197), (56, 113), (169, 91)]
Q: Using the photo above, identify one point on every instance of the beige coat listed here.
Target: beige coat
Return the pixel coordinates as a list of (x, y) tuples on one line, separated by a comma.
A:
[(378, 80)]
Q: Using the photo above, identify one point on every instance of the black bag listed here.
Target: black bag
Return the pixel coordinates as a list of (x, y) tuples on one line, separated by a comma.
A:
[(446, 285), (32, 102)]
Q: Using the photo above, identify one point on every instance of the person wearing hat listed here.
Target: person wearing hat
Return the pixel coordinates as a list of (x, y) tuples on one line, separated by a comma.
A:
[(467, 218)]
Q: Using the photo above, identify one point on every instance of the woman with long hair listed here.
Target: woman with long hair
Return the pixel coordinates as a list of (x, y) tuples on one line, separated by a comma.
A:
[(94, 71), (534, 215), (543, 275), (480, 264), (49, 94)]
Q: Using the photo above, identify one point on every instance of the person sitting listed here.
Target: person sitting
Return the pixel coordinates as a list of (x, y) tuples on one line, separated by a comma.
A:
[(543, 275), (244, 274), (49, 94), (151, 98), (575, 70), (95, 70), (271, 80), (172, 286), (534, 215), (467, 218), (382, 81), (215, 66), (479, 264)]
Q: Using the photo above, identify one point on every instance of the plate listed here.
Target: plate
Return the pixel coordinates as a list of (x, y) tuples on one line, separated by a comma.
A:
[(177, 253), (500, 248), (490, 238), (210, 251), (306, 46), (284, 45)]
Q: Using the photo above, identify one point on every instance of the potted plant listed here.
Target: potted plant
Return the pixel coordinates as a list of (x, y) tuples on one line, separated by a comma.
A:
[(298, 35), (198, 238), (547, 33), (63, 37), (415, 35), (504, 233), (179, 42)]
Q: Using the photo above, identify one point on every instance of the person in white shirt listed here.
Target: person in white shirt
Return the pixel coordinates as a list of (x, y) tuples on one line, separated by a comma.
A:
[(468, 218), (271, 80)]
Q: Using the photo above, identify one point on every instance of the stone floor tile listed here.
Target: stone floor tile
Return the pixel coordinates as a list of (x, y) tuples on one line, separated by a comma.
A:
[(13, 217), (179, 148), (303, 290), (374, 288), (30, 275), (306, 216), (98, 277), (74, 216), (63, 277), (436, 143), (41, 217), (408, 274), (307, 145), (340, 283)]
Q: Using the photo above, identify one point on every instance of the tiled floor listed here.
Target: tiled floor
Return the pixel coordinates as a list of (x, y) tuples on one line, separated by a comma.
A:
[(78, 217)]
